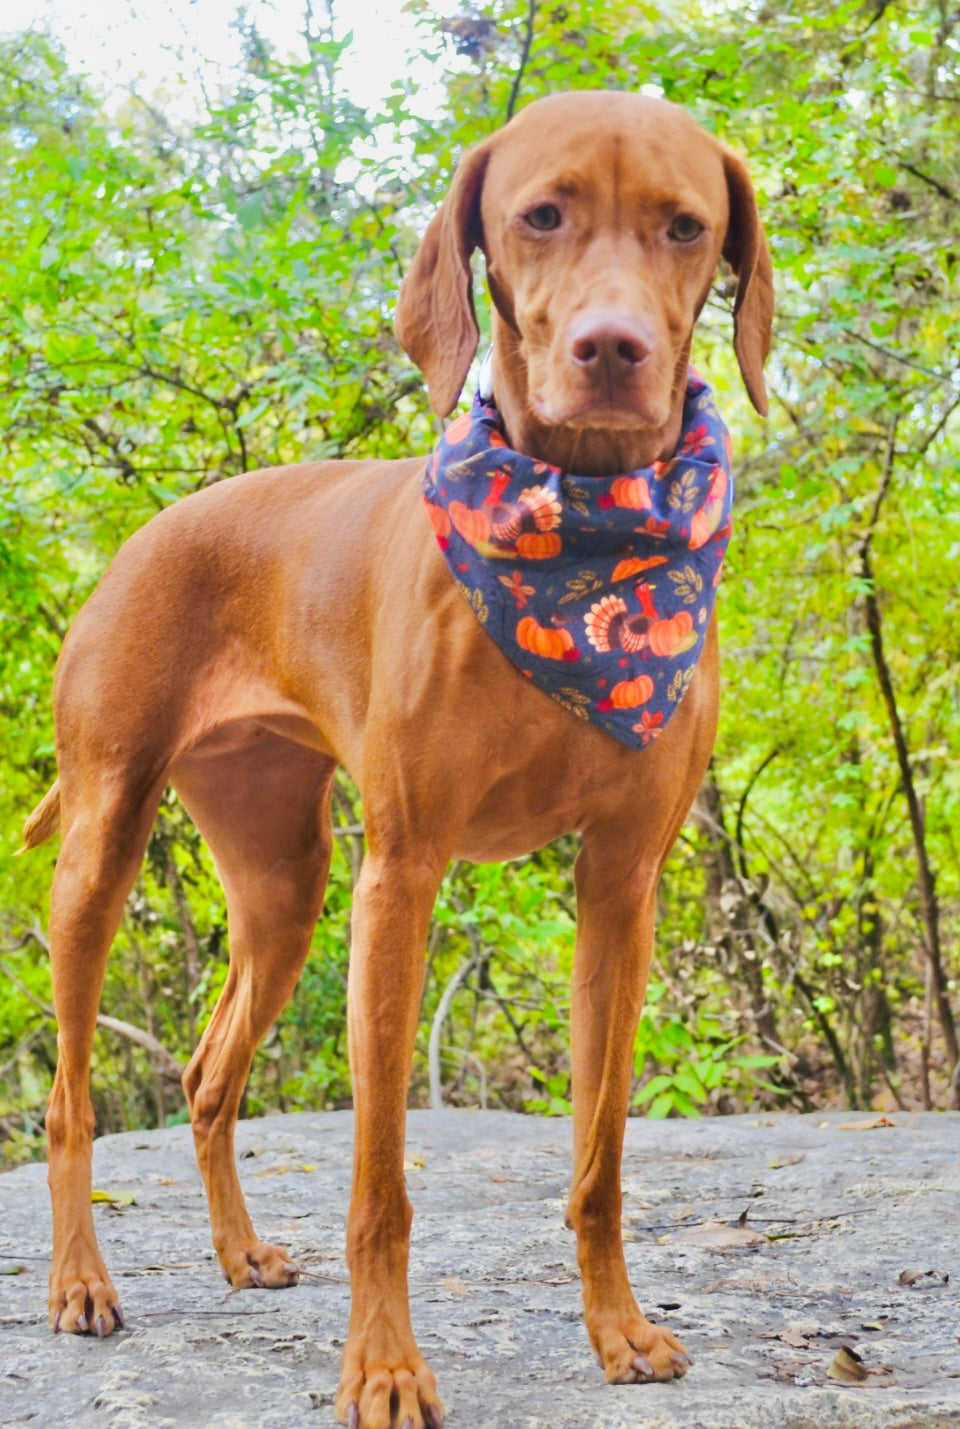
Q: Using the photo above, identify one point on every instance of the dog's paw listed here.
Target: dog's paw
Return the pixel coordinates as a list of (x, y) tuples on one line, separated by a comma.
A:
[(260, 1267), (84, 1304), (372, 1396), (635, 1352)]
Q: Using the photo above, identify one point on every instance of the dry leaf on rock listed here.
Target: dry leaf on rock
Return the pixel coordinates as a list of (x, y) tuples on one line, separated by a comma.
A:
[(286, 1168), (717, 1235), (800, 1337), (872, 1125), (414, 1162), (789, 1158), (923, 1279), (795, 1336), (848, 1367), (113, 1198)]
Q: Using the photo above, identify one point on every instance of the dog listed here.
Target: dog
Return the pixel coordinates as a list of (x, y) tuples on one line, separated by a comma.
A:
[(256, 635)]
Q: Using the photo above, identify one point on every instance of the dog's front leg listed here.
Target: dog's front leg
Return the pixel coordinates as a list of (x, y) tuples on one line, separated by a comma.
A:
[(615, 921), (385, 1380)]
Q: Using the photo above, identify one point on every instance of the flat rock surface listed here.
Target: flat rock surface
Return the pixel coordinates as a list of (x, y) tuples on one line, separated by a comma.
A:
[(841, 1205)]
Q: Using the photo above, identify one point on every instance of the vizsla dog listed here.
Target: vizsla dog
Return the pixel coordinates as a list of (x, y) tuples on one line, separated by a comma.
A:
[(258, 634)]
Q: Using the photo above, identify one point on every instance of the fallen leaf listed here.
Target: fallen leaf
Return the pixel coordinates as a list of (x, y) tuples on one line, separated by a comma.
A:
[(414, 1162), (286, 1169), (923, 1279), (871, 1125), (848, 1367), (789, 1158), (113, 1198), (717, 1235), (13, 1270), (796, 1338)]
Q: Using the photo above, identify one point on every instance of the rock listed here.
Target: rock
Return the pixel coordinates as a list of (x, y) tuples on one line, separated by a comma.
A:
[(836, 1208)]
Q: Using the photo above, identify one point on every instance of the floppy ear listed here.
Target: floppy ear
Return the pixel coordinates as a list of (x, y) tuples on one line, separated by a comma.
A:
[(435, 321), (745, 249)]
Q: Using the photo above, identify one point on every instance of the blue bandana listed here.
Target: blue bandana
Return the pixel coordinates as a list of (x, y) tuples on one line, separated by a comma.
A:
[(598, 588)]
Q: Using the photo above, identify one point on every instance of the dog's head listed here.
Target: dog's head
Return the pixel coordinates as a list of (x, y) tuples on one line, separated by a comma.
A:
[(602, 217)]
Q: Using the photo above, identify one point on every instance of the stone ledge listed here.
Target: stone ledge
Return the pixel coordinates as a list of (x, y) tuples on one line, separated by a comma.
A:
[(495, 1295)]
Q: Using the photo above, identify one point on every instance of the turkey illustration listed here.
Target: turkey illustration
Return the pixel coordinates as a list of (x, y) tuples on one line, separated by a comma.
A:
[(535, 510), (610, 627)]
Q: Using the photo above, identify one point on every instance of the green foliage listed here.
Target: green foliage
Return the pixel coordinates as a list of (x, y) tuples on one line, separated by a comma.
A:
[(699, 1065), (185, 300)]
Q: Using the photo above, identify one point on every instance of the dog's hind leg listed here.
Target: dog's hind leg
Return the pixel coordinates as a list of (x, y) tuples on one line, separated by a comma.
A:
[(263, 808), (104, 835)]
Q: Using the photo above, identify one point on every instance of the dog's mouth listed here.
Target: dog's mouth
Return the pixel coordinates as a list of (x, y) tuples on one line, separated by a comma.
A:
[(633, 413)]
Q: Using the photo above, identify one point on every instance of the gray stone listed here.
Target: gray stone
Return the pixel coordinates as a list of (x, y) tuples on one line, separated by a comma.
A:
[(493, 1277)]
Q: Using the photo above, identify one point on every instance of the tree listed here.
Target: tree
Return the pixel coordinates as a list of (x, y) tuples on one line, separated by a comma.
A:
[(187, 301)]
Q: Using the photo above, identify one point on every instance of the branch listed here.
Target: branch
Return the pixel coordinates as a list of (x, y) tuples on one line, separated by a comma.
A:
[(935, 431), (832, 1041), (439, 1017), (933, 183), (929, 907), (742, 807), (166, 1063), (524, 56)]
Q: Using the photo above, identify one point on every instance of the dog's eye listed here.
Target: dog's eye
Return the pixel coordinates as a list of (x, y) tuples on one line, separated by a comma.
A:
[(544, 217), (685, 228)]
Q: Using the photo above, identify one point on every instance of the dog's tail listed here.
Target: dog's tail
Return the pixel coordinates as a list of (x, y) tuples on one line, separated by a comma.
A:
[(44, 821)]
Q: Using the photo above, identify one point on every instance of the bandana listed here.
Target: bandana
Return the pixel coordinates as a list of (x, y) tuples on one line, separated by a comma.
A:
[(598, 588)]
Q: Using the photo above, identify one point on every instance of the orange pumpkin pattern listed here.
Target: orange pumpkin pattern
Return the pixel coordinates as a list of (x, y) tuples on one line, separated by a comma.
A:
[(440, 521), (628, 694), (472, 525), (631, 492), (553, 643), (667, 637), (616, 576), (704, 522), (539, 545)]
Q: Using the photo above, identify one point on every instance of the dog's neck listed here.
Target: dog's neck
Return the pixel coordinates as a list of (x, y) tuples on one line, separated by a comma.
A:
[(586, 450)]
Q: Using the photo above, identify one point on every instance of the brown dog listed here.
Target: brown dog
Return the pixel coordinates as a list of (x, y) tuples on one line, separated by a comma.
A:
[(256, 635)]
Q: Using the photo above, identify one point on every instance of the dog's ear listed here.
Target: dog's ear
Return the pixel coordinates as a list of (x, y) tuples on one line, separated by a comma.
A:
[(745, 249), (435, 321)]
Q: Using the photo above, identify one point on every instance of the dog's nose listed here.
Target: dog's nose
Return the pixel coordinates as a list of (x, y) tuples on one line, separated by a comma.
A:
[(615, 345)]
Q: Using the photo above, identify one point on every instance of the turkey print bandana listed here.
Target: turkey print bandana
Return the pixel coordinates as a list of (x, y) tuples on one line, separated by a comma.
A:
[(599, 589)]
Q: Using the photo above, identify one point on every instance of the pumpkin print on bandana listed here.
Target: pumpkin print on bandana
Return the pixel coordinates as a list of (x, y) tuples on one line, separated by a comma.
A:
[(599, 589)]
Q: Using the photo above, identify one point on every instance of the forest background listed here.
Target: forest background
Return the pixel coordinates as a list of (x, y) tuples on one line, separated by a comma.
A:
[(185, 299)]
